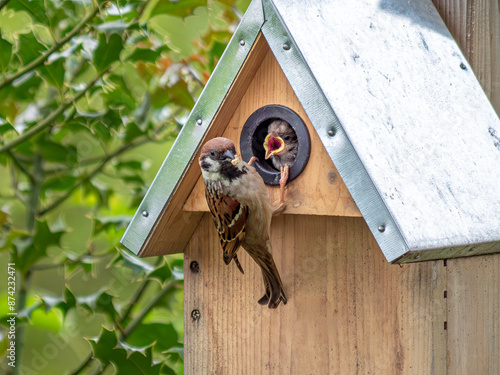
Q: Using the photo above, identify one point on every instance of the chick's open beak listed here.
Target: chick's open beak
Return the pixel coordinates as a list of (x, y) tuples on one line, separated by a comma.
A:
[(273, 144)]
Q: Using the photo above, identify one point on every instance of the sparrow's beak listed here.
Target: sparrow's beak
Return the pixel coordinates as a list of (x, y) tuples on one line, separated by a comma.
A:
[(229, 154), (273, 144)]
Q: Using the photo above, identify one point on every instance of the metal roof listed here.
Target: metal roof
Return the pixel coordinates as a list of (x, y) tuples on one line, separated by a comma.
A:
[(414, 133)]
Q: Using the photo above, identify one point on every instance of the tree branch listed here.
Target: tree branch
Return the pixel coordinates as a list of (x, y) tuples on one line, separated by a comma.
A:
[(36, 186), (42, 58), (42, 124), (21, 166), (138, 294)]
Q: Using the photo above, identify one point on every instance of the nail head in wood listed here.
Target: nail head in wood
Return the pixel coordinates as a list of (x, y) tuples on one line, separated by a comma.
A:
[(194, 266), (195, 314)]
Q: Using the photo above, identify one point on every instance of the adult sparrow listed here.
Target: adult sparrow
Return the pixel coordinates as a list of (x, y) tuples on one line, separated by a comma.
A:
[(241, 208), (281, 146)]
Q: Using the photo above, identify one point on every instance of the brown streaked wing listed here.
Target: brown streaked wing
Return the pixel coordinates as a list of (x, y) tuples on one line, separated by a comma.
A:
[(230, 219)]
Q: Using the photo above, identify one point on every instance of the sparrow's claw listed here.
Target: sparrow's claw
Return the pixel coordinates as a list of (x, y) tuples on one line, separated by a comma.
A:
[(283, 180), (253, 158)]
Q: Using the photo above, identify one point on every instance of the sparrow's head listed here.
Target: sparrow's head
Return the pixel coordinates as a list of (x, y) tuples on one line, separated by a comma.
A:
[(218, 159), (281, 139)]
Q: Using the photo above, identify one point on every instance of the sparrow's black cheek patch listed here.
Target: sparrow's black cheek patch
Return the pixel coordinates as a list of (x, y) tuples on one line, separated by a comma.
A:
[(205, 166)]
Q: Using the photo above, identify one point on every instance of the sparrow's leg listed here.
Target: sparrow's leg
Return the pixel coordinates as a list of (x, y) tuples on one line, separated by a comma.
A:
[(254, 158), (283, 180)]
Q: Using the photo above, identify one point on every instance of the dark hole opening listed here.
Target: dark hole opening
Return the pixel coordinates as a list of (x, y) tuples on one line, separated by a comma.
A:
[(254, 134)]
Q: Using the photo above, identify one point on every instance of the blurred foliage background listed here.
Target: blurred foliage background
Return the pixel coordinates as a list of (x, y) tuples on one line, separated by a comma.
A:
[(92, 96)]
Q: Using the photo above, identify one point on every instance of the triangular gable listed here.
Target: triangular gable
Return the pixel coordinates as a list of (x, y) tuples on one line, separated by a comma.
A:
[(411, 135), (319, 190)]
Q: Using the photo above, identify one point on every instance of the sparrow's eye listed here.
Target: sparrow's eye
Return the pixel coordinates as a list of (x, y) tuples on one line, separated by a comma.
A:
[(212, 152), (286, 138)]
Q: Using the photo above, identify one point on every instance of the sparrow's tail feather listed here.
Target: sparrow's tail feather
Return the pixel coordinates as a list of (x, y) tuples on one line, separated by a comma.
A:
[(272, 281)]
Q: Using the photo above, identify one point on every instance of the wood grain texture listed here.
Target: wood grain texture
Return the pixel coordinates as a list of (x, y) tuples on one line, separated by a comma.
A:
[(348, 311), (319, 190), (174, 227), (474, 315)]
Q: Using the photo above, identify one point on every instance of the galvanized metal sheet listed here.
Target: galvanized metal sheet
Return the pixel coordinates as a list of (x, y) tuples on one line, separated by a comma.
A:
[(332, 135), (412, 110), (188, 142)]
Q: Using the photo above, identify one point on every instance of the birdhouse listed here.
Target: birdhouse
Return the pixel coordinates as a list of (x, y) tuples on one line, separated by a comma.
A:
[(398, 162)]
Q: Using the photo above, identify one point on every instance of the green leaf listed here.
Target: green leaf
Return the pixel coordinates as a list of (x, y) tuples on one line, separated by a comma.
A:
[(126, 360), (103, 347), (138, 180), (37, 246), (215, 53), (69, 300), (101, 131), (29, 48), (106, 223), (119, 98), (56, 152), (132, 132), (161, 273), (146, 55), (7, 127), (129, 260), (54, 73), (35, 8), (132, 165), (108, 51), (5, 54), (180, 95), (101, 301), (164, 335), (59, 183)]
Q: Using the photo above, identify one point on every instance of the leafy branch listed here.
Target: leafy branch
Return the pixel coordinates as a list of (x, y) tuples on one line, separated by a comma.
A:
[(134, 323), (47, 121), (43, 57), (92, 174)]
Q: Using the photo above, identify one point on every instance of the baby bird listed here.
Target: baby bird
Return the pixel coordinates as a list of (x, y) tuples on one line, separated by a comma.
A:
[(241, 209), (281, 146)]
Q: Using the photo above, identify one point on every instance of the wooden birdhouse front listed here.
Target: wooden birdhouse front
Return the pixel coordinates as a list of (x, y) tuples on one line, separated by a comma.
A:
[(398, 152)]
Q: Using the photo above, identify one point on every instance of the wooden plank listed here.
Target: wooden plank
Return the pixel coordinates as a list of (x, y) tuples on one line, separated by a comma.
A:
[(474, 315), (319, 190), (174, 227), (348, 311)]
